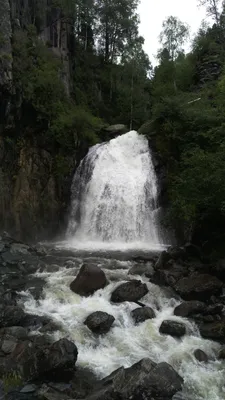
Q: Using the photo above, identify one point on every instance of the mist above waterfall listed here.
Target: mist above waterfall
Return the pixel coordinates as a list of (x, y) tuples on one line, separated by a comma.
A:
[(114, 194)]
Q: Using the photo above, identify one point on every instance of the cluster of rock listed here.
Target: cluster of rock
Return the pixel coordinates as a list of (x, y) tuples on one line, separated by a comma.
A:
[(200, 283), (26, 359), (37, 367)]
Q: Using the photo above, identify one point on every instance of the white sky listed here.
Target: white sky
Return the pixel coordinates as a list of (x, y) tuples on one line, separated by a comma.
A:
[(154, 12)]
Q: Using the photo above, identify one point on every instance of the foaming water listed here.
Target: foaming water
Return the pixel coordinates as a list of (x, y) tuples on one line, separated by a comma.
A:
[(127, 343), (114, 196)]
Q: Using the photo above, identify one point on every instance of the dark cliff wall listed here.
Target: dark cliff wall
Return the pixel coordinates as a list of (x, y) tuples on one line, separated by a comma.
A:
[(34, 197)]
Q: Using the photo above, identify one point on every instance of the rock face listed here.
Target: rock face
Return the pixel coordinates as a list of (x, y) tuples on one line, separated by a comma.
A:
[(129, 291), (172, 328), (5, 59), (199, 287), (142, 314), (99, 322), (144, 380), (33, 198), (115, 130), (188, 308), (89, 279)]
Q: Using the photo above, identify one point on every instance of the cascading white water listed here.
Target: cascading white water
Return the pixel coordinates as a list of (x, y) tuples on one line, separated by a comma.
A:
[(126, 342), (114, 194)]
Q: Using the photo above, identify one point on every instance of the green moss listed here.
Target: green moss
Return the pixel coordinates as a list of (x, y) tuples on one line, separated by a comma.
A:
[(11, 380)]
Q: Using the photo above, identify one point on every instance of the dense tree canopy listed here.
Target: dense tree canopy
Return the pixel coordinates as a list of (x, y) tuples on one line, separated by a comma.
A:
[(112, 81)]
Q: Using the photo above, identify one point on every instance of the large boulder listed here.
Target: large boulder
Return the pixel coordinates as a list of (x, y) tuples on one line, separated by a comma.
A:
[(172, 328), (188, 308), (53, 361), (198, 287), (141, 314), (169, 277), (144, 380), (89, 279), (99, 322), (214, 330), (133, 290)]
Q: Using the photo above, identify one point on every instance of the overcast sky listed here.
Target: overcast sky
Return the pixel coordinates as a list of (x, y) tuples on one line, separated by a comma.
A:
[(154, 12)]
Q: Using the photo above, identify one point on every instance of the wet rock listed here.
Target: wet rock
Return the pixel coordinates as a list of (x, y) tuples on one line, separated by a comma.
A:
[(144, 380), (99, 322), (172, 328), (129, 291), (222, 354), (142, 314), (55, 361), (198, 287), (11, 316), (141, 269), (169, 277), (214, 309), (89, 279), (46, 392), (177, 253), (31, 388), (162, 262), (8, 344), (219, 269), (50, 327), (201, 356), (34, 322), (188, 308), (17, 332), (214, 330), (83, 383)]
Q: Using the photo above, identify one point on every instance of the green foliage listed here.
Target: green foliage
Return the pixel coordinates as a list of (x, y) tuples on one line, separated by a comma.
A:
[(11, 381)]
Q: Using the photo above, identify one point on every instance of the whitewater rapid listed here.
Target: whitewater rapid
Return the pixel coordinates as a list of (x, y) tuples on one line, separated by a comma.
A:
[(127, 343)]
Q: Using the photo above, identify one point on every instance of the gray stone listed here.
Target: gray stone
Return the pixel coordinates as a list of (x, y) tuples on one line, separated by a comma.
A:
[(29, 388), (172, 328), (142, 314), (99, 322), (11, 316), (188, 308), (201, 356), (8, 344), (89, 279), (198, 287), (213, 330), (130, 291), (16, 331), (144, 380)]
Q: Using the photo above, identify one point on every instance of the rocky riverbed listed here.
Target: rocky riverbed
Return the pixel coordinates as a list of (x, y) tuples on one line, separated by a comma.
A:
[(87, 327)]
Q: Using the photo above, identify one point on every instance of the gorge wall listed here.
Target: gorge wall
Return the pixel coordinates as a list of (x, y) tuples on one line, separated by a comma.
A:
[(33, 196)]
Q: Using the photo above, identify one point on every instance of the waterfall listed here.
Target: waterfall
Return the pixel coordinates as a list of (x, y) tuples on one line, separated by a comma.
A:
[(114, 194)]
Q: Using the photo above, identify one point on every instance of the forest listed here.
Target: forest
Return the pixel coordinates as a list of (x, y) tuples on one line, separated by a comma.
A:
[(180, 102)]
